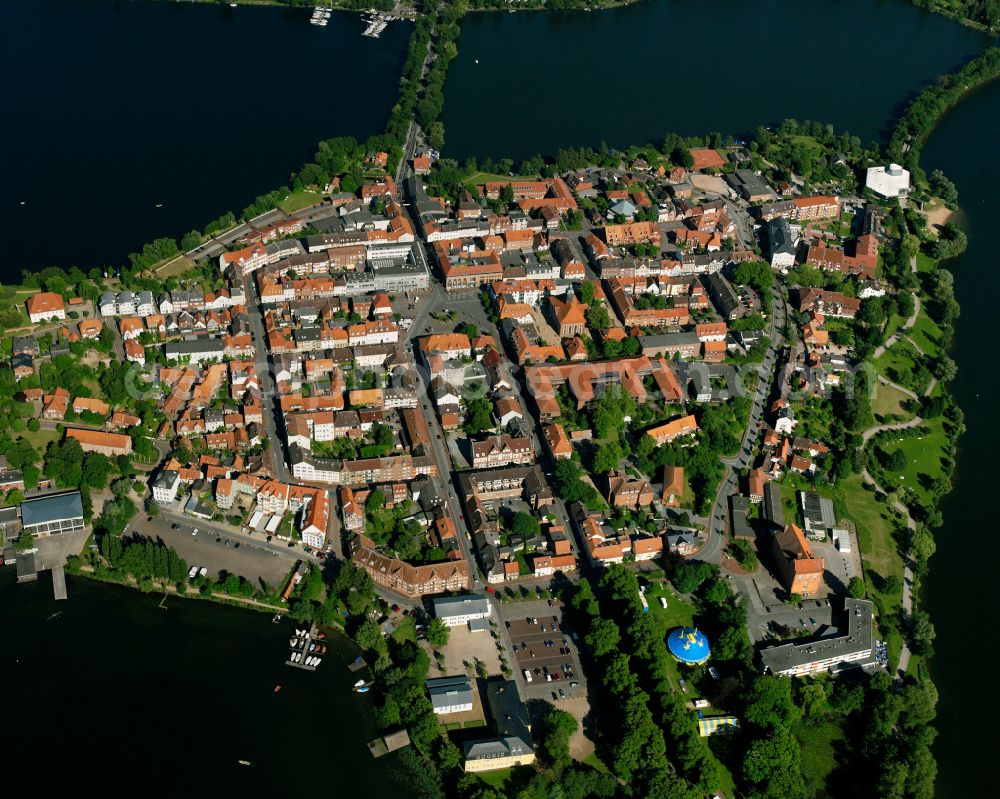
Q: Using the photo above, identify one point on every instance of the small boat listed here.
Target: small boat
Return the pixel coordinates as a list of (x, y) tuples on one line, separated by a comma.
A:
[(159, 205), (277, 689), (477, 60), (312, 647), (322, 650), (359, 683), (55, 615), (321, 636), (317, 661), (293, 642), (243, 762), (364, 689), (276, 619)]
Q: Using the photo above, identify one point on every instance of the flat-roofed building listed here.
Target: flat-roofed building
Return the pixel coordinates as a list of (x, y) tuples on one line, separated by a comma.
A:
[(52, 514), (455, 611), (889, 181), (852, 647)]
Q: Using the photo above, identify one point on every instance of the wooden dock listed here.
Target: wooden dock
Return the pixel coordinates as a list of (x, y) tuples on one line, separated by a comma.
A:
[(59, 582), (357, 665), (302, 649)]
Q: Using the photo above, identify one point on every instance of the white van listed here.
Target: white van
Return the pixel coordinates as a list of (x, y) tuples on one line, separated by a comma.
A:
[(527, 676)]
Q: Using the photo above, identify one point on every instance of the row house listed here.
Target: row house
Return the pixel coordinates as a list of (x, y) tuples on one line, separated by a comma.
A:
[(547, 565), (379, 331), (406, 579), (127, 303), (500, 451), (632, 233)]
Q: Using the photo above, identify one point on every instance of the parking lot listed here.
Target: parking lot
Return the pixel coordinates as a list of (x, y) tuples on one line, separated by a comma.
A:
[(543, 650), (209, 549)]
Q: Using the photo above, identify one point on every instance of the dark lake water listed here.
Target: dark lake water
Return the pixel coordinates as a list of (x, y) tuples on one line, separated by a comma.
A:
[(111, 108), (166, 702), (628, 75), (960, 593)]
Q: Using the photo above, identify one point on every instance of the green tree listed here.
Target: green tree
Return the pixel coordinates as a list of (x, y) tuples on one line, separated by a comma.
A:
[(557, 727), (438, 633), (607, 457), (598, 317)]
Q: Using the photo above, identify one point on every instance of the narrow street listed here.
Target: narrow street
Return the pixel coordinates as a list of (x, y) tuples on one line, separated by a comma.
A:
[(714, 546), (268, 392)]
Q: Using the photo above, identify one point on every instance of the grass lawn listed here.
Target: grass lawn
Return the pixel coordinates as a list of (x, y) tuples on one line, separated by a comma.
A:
[(895, 322), (39, 439), (875, 522), (595, 763), (678, 613), (298, 200), (790, 502), (923, 456), (926, 333), (405, 630), (94, 386), (809, 141), (899, 360), (496, 779), (174, 267), (819, 755), (924, 262), (17, 299), (889, 400)]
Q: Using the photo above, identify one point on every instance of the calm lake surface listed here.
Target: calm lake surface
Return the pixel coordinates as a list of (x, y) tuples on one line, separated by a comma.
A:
[(166, 702), (960, 592), (629, 75), (111, 108)]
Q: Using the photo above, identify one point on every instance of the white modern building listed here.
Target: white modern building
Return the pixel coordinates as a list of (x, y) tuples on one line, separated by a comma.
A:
[(457, 610), (889, 181), (195, 350), (450, 694)]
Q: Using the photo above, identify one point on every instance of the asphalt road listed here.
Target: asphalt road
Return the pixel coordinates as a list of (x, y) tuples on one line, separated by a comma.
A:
[(712, 551), (269, 394)]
